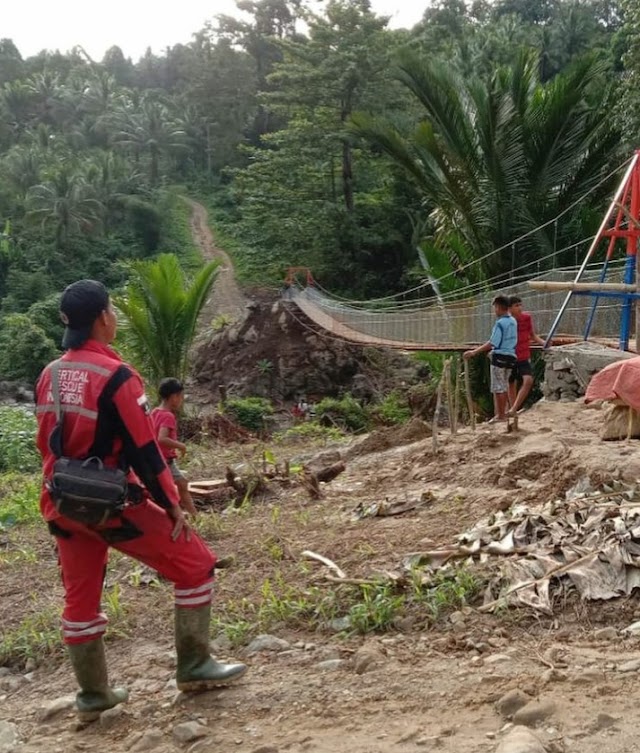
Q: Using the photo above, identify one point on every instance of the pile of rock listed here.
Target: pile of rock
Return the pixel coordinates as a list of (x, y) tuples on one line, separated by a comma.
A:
[(568, 368)]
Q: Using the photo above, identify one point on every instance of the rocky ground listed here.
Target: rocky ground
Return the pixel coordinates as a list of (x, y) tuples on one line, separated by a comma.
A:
[(511, 681)]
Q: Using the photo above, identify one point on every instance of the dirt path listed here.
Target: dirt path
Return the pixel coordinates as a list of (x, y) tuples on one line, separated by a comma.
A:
[(410, 690), (226, 297)]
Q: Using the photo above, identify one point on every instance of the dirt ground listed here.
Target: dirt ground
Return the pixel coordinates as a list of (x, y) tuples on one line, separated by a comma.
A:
[(422, 685)]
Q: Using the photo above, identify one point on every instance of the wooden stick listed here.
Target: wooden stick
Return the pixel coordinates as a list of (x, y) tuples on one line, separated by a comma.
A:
[(447, 384), (436, 414), (616, 287), (325, 561), (456, 395), (467, 392)]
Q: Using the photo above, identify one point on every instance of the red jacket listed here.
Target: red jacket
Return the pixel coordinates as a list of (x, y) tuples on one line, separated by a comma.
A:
[(106, 415)]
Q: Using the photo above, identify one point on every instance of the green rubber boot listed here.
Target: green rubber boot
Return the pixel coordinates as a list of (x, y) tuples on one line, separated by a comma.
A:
[(197, 670), (90, 668)]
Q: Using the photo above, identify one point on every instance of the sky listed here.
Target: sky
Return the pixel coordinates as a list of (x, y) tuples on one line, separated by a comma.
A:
[(133, 25)]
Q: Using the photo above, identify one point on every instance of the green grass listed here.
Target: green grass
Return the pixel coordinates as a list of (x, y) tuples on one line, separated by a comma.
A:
[(309, 430), (371, 607), (17, 440), (36, 637), (19, 499)]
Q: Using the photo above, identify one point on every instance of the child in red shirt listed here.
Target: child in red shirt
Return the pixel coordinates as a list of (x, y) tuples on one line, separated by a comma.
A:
[(171, 392)]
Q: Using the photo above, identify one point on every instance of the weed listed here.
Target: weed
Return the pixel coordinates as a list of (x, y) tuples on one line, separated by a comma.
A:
[(17, 440), (312, 431), (274, 549), (365, 548), (17, 556), (249, 412), (219, 322), (264, 366), (209, 524), (237, 631), (117, 613), (303, 517), (445, 591), (346, 413), (37, 636), (377, 609), (275, 514), (280, 604), (393, 410), (20, 499)]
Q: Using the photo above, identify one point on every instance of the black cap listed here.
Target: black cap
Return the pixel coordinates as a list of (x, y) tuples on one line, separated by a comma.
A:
[(81, 304)]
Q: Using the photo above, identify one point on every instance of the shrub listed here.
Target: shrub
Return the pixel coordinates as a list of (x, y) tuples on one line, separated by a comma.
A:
[(393, 410), (20, 499), (25, 349), (311, 430), (17, 440), (346, 413), (249, 412)]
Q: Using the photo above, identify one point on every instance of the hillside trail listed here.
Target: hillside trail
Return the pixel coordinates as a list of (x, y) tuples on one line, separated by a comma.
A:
[(226, 297), (413, 689)]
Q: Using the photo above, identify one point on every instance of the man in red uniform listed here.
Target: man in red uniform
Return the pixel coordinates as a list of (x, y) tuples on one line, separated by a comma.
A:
[(522, 371), (106, 415)]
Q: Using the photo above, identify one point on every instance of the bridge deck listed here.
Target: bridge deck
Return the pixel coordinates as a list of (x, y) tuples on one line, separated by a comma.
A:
[(344, 332)]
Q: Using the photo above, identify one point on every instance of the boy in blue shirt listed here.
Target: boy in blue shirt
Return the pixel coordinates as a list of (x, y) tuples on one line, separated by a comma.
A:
[(502, 345)]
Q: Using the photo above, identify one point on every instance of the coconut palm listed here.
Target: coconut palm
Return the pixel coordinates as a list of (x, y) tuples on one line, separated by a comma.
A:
[(496, 159), (67, 201), (21, 169), (150, 130), (160, 309)]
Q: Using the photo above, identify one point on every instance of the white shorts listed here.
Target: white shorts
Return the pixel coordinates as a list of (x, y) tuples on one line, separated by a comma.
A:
[(499, 379)]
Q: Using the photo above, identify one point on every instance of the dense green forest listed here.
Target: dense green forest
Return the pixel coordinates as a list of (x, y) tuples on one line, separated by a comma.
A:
[(317, 138)]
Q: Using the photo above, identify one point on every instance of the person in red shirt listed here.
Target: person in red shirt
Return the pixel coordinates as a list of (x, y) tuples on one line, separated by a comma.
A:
[(522, 372), (91, 405), (171, 392)]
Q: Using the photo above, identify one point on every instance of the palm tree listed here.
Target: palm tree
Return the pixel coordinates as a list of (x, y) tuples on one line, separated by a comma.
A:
[(21, 169), (160, 308), (494, 160), (153, 130), (68, 202)]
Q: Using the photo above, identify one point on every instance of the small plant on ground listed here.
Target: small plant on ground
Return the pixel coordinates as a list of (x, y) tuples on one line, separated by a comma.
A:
[(37, 636), (220, 322), (249, 412), (19, 499), (392, 410), (346, 413), (377, 609), (264, 366), (311, 430), (17, 440), (445, 591)]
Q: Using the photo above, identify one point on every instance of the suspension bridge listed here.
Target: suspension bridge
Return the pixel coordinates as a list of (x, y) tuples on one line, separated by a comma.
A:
[(597, 299)]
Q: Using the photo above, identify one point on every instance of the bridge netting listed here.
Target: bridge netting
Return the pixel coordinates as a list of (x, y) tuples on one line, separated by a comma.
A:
[(458, 320)]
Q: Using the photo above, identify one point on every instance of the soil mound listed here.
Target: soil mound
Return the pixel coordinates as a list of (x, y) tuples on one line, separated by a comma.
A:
[(393, 436), (274, 351)]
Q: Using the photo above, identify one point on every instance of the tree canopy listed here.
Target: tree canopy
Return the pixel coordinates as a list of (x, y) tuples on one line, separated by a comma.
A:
[(317, 137)]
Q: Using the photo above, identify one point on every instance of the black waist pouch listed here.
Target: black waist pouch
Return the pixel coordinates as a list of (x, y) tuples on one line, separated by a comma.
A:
[(86, 491), (502, 361)]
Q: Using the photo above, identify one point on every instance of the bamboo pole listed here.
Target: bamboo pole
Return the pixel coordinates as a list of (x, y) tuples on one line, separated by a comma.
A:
[(615, 287), (449, 391), (436, 414), (456, 395), (467, 392)]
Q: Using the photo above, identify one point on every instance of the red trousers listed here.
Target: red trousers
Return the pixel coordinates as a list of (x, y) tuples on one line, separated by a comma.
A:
[(144, 533)]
